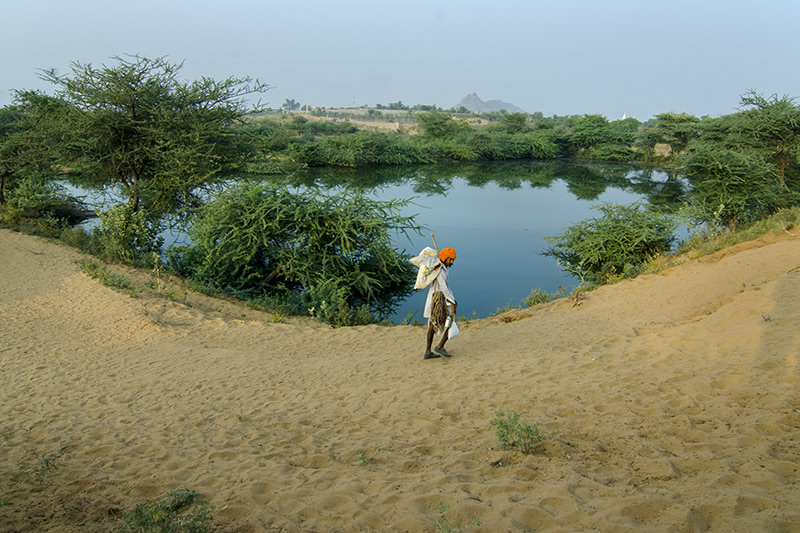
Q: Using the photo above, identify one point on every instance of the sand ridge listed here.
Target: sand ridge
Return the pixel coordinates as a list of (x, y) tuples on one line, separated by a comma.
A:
[(671, 403)]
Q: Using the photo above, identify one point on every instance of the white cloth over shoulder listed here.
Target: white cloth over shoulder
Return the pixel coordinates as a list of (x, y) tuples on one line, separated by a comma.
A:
[(427, 261)]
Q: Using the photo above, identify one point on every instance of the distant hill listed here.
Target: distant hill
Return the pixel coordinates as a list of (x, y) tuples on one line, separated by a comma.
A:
[(476, 105)]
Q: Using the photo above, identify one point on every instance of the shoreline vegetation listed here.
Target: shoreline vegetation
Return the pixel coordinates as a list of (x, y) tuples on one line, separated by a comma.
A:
[(172, 150)]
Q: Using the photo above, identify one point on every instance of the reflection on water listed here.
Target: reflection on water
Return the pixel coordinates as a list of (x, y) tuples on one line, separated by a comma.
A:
[(496, 216)]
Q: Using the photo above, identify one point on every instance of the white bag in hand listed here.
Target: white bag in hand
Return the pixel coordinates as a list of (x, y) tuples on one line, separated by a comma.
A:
[(453, 329)]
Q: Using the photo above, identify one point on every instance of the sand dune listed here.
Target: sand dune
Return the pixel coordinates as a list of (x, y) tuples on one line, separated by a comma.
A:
[(671, 403)]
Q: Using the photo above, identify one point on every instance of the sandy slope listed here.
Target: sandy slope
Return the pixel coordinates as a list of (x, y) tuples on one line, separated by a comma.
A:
[(671, 403)]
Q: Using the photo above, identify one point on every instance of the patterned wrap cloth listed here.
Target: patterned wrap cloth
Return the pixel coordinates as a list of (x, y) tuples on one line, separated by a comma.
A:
[(438, 311)]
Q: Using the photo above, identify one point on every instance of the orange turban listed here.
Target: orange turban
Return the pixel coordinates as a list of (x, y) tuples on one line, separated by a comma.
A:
[(447, 253)]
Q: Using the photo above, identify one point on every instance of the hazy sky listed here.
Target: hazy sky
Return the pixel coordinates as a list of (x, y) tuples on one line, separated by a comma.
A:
[(639, 57)]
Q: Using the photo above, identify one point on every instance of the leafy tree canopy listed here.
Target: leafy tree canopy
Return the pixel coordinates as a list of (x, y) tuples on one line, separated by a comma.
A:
[(257, 240), (290, 105), (136, 126), (772, 125), (28, 139), (674, 129), (616, 243), (589, 131), (515, 122), (440, 125), (730, 186)]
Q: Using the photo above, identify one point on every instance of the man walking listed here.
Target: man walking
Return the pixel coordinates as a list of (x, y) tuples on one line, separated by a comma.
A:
[(439, 304)]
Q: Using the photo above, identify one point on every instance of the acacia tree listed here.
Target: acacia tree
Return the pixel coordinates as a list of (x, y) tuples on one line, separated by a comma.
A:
[(290, 105), (514, 122), (674, 129), (12, 145), (730, 186), (440, 125), (24, 126), (588, 131), (136, 126), (772, 126), (616, 243)]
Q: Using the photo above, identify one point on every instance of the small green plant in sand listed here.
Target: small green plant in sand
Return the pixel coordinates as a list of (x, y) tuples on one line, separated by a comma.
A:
[(511, 432), (156, 282), (364, 459), (442, 524), (409, 320), (181, 510), (99, 272), (537, 296), (501, 310), (47, 462), (578, 294)]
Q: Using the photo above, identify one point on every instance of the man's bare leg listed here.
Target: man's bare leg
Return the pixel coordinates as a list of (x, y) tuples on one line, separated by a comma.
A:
[(440, 347), (428, 353), (445, 336)]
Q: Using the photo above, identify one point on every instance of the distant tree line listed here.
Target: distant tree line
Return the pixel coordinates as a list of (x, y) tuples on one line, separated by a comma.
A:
[(742, 165)]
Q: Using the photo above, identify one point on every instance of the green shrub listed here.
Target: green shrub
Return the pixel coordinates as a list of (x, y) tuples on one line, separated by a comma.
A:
[(129, 235), (358, 150), (618, 242), (452, 149), (438, 125), (327, 302), (512, 432), (611, 152), (256, 241), (78, 238), (536, 297), (544, 144), (732, 186), (181, 510), (39, 207)]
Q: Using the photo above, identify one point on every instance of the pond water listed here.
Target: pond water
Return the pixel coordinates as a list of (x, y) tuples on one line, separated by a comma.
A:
[(496, 215)]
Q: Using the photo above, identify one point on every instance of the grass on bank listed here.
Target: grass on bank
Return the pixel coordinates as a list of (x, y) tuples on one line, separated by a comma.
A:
[(100, 272), (181, 510)]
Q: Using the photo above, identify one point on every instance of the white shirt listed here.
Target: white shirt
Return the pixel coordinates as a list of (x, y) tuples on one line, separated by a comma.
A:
[(442, 284)]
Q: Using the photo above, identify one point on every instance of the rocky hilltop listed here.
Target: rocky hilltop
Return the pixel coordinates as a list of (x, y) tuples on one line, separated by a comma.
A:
[(476, 105)]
